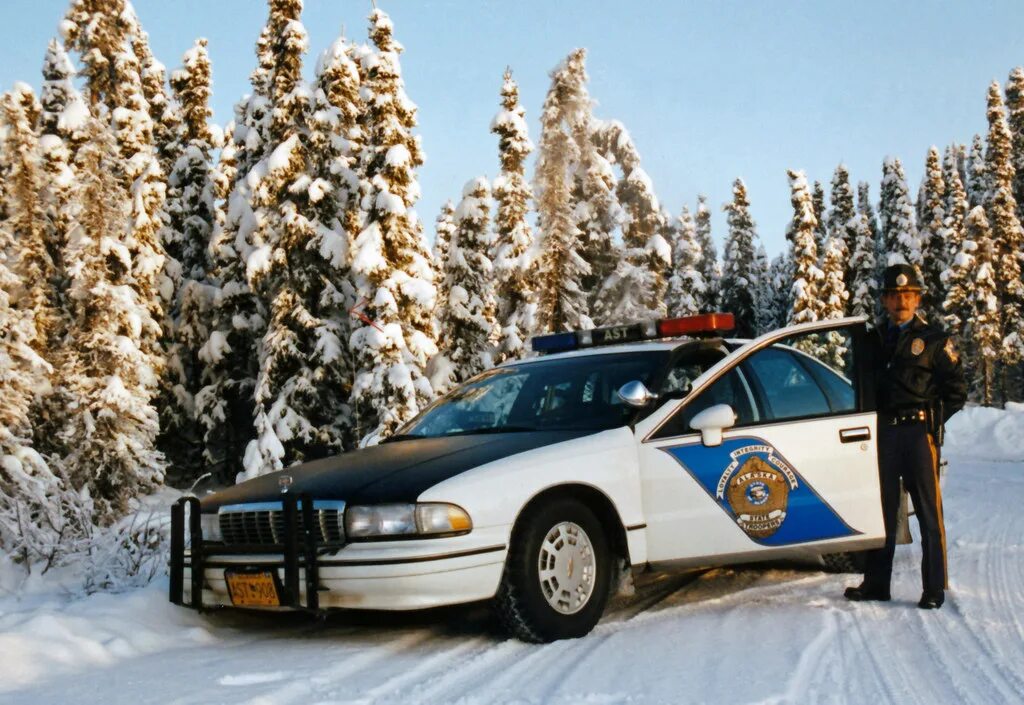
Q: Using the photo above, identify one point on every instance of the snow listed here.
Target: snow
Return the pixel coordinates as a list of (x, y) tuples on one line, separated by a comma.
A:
[(770, 634)]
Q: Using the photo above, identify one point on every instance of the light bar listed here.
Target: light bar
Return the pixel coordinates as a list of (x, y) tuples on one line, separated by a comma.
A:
[(704, 324), (696, 325)]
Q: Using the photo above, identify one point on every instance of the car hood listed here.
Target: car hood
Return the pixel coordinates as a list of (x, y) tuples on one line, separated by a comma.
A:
[(390, 472)]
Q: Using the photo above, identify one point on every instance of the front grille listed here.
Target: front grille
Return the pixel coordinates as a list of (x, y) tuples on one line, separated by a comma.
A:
[(263, 524)]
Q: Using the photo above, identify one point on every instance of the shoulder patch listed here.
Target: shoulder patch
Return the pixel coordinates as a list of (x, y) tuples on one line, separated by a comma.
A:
[(917, 347), (950, 350)]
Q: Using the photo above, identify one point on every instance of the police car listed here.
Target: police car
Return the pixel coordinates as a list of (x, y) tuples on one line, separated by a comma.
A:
[(543, 483)]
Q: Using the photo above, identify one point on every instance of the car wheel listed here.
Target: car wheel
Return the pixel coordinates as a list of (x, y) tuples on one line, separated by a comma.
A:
[(848, 562), (558, 573)]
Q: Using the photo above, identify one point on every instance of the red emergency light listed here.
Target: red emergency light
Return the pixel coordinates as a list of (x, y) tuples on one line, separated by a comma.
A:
[(694, 326)]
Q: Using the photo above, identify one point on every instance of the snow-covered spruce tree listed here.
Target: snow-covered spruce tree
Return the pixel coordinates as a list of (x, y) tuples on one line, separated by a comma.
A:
[(1015, 119), (738, 287), (635, 290), (561, 302), (976, 183), (164, 114), (685, 283), (960, 306), (833, 297), (820, 215), (806, 275), (25, 215), (956, 205), (841, 224), (710, 268), (865, 209), (104, 33), (1007, 236), (468, 317), (106, 372), (934, 235), (390, 259), (513, 236), (296, 252), (864, 278), (764, 292), (596, 206), (780, 279), (986, 328), (444, 231), (192, 214), (902, 244)]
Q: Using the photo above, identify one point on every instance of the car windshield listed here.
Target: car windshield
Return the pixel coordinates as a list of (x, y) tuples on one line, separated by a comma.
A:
[(575, 393)]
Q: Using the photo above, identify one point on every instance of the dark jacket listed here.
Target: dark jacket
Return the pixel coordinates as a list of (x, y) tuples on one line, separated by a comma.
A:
[(923, 371)]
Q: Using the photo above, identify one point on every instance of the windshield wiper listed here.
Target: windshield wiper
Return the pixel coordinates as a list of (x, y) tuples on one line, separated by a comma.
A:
[(496, 429), (403, 437)]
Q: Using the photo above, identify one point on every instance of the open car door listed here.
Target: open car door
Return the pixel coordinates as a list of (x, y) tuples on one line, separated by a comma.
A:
[(796, 470)]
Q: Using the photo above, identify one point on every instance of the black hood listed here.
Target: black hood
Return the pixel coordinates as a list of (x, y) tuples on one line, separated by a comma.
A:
[(390, 472)]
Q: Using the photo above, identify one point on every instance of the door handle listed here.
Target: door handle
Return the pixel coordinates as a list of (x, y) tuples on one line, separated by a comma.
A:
[(855, 435)]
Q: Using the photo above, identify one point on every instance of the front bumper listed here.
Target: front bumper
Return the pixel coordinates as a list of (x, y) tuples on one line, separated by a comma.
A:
[(392, 575)]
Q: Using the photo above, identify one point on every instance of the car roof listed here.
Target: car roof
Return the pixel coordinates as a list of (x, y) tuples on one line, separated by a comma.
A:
[(638, 346)]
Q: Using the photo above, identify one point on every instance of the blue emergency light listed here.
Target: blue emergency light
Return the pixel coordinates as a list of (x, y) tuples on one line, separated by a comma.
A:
[(694, 326)]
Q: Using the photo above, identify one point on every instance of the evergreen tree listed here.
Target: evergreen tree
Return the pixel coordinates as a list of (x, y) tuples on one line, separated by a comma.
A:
[(597, 212), (1007, 235), (192, 214), (806, 276), (934, 235), (780, 279), (738, 288), (820, 215), (864, 277), (961, 306), (444, 231), (986, 327), (685, 284), (956, 205), (468, 316), (561, 302), (764, 293), (841, 224), (976, 182), (902, 245), (163, 113), (1015, 119), (25, 214), (513, 288), (635, 290), (106, 373), (391, 260), (865, 209), (710, 269)]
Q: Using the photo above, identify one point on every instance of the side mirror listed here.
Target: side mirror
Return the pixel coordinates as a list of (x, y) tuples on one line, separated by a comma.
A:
[(712, 421), (636, 394)]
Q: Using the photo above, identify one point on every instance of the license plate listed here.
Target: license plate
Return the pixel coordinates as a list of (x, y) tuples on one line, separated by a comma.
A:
[(252, 588)]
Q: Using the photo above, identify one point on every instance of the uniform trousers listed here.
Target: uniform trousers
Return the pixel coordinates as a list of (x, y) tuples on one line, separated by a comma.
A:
[(908, 452)]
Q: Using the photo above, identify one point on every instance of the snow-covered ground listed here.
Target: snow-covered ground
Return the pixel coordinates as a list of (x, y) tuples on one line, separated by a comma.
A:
[(750, 635)]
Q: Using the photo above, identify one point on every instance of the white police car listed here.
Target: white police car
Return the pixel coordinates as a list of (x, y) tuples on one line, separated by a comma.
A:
[(538, 483)]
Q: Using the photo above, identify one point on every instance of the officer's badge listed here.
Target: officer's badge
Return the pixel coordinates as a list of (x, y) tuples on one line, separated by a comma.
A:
[(902, 280), (757, 491), (951, 350), (917, 347)]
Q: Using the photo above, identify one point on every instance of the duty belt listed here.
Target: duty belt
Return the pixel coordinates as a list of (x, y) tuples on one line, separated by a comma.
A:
[(898, 418)]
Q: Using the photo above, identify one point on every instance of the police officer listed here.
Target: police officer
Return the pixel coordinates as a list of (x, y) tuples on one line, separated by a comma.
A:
[(920, 384)]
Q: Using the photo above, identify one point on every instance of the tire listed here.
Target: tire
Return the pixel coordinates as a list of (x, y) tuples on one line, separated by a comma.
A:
[(848, 562), (526, 601)]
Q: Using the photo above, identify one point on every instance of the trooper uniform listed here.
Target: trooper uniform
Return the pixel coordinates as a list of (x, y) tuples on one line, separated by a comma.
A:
[(920, 384)]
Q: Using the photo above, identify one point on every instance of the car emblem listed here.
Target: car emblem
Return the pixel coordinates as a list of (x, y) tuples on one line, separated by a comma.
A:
[(284, 482), (758, 495), (917, 347)]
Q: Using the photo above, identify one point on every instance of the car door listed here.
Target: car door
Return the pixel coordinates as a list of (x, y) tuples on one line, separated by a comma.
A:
[(797, 473)]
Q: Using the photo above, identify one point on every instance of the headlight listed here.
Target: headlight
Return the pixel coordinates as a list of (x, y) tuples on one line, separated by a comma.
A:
[(210, 524), (396, 520)]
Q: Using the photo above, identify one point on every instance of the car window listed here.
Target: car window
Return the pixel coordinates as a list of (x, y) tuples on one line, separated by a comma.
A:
[(686, 369), (729, 389), (557, 394), (787, 389), (838, 388)]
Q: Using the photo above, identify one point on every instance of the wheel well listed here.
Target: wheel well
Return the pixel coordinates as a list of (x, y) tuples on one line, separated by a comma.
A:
[(597, 502)]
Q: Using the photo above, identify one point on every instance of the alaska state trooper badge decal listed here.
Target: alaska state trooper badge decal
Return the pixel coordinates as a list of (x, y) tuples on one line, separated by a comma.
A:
[(757, 490)]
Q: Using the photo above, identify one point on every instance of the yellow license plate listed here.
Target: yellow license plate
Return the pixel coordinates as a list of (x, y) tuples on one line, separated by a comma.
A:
[(252, 589)]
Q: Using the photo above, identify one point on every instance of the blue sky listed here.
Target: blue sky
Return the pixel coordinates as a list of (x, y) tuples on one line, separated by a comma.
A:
[(709, 91)]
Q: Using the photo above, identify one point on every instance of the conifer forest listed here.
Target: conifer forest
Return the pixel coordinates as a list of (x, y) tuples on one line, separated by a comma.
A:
[(182, 299)]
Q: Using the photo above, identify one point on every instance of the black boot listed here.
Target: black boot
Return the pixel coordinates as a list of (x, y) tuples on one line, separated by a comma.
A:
[(864, 593), (931, 601)]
